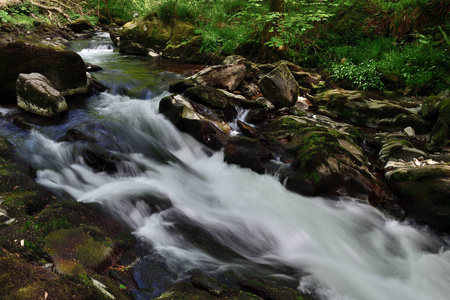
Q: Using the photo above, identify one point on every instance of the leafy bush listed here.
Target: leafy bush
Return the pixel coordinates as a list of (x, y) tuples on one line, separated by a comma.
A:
[(364, 75), (222, 38), (419, 64), (3, 16)]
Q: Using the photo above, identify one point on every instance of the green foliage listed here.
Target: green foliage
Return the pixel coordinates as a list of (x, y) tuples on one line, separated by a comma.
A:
[(225, 38), (388, 5), (419, 64), (290, 27), (364, 75), (3, 16), (20, 14), (167, 10)]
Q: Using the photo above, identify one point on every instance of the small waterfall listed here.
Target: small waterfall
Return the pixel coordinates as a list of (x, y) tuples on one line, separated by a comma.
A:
[(241, 116)]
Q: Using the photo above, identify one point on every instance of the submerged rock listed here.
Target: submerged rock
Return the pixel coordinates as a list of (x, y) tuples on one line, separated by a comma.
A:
[(36, 95), (272, 290)]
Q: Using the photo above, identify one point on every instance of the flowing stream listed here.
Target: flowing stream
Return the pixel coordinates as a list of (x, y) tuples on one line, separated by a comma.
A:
[(221, 218)]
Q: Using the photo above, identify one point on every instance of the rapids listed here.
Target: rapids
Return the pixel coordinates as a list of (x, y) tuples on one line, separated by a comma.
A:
[(223, 218)]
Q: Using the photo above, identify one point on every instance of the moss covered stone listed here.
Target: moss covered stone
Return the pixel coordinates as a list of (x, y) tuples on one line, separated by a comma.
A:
[(156, 34), (440, 134), (20, 280), (74, 250), (361, 109), (425, 193), (430, 107)]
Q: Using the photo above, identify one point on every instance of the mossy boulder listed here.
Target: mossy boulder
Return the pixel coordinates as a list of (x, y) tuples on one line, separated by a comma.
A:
[(79, 25), (180, 86), (440, 134), (189, 52), (424, 192), (330, 161), (208, 96), (272, 290), (316, 157), (154, 33), (430, 107), (359, 108), (64, 69)]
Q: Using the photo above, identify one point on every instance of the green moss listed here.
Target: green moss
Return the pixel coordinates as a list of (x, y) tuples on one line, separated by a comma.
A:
[(430, 106), (444, 111), (20, 280), (181, 33), (314, 177), (439, 135), (18, 198), (419, 174), (74, 249)]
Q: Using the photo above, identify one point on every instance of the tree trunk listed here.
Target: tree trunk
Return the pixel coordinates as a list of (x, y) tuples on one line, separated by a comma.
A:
[(274, 6)]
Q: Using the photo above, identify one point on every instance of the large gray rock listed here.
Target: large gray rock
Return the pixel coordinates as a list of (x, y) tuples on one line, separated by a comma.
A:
[(280, 87), (65, 69), (223, 76), (36, 95)]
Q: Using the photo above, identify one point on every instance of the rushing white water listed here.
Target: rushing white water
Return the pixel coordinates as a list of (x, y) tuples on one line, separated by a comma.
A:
[(339, 250), (348, 250)]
